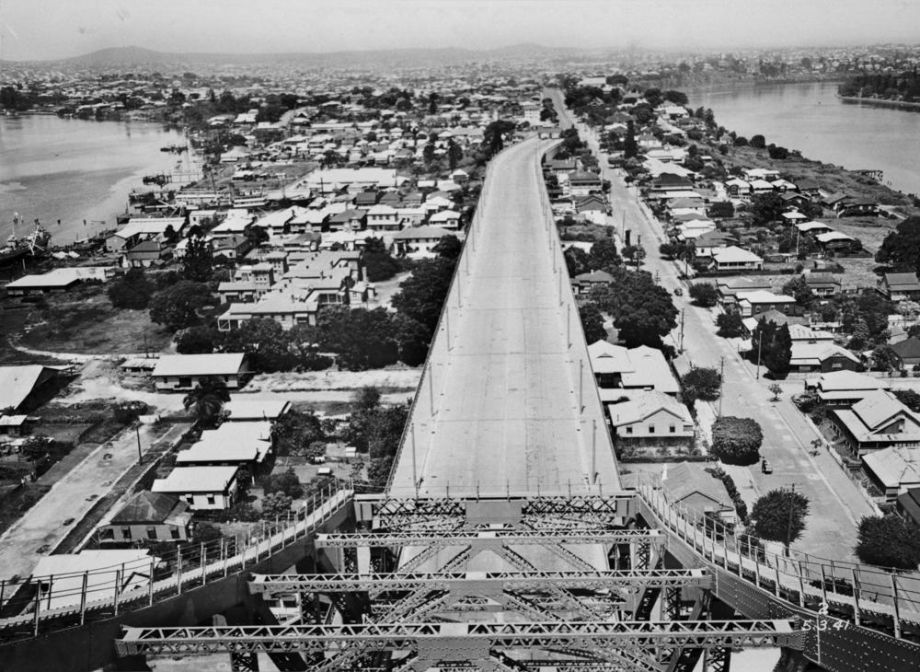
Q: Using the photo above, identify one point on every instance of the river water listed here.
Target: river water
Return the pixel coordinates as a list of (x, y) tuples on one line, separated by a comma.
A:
[(74, 170), (810, 118)]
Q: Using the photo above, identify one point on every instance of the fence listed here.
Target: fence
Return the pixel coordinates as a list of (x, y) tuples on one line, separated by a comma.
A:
[(67, 600), (868, 595)]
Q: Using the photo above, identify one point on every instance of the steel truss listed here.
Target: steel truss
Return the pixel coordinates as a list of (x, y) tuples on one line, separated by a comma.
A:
[(433, 636), (509, 536), (493, 581), (405, 511)]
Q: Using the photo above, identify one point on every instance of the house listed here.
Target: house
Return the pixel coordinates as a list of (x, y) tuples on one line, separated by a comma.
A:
[(608, 363), (894, 470), (25, 388), (202, 488), (245, 409), (856, 208), (908, 352), (447, 219), (69, 570), (908, 505), (822, 284), (240, 444), (689, 486), (284, 309), (641, 368), (805, 334), (835, 241), (148, 517), (419, 241), (383, 218), (843, 388), (734, 259), (899, 286), (145, 254), (58, 280), (12, 426), (760, 301), (878, 420), (142, 228), (737, 187), (584, 282), (651, 419), (592, 203), (583, 183), (822, 356), (181, 373)]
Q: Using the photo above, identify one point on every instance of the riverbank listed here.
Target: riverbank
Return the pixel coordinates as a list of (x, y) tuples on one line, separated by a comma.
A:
[(880, 102)]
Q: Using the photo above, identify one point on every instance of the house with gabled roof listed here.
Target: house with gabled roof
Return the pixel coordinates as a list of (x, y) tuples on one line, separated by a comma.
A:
[(899, 286), (894, 470), (844, 388), (148, 517), (689, 486), (651, 418), (878, 420)]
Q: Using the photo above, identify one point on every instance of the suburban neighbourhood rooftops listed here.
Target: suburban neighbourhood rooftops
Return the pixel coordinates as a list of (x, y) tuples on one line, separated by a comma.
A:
[(200, 365), (184, 480)]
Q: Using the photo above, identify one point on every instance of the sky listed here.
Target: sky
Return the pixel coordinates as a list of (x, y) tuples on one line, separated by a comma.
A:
[(50, 29)]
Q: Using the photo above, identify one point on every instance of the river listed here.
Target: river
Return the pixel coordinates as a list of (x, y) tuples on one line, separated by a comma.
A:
[(74, 170), (810, 118)]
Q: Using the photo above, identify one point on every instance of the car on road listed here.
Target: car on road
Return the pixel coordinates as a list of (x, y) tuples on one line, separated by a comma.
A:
[(678, 292), (765, 466)]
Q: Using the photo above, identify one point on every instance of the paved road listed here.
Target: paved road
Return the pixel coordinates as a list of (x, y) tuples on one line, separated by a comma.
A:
[(837, 503), (504, 412), (70, 498)]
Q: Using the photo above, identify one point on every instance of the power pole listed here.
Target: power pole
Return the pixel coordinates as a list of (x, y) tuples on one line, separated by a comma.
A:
[(721, 382), (759, 347), (137, 432), (683, 312)]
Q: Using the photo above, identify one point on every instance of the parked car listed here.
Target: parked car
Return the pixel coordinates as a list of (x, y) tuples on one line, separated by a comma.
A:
[(678, 292), (765, 466)]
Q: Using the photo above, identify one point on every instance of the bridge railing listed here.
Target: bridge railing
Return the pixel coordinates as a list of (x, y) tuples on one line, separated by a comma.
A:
[(438, 343), (69, 599), (868, 595)]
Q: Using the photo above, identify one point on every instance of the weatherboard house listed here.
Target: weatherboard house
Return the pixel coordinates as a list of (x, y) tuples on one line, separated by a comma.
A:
[(181, 373)]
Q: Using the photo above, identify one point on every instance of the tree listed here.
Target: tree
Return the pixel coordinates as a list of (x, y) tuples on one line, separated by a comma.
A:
[(286, 483), (378, 263), (493, 137), (177, 307), (363, 339), (704, 294), (276, 505), (909, 398), (294, 431), (758, 142), (198, 261), (721, 209), (884, 358), (132, 291), (412, 339), (195, 340), (736, 440), (576, 261), (206, 400), (630, 146), (901, 248), (776, 391), (701, 383), (889, 541), (454, 154), (449, 247), (422, 295), (777, 152), (374, 428), (798, 289), (772, 345), (780, 516), (767, 208), (731, 324), (642, 311), (603, 254), (428, 155), (592, 322)]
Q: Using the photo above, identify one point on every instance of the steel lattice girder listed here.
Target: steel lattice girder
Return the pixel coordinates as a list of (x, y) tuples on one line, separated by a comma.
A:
[(411, 636), (501, 537), (441, 507), (522, 581)]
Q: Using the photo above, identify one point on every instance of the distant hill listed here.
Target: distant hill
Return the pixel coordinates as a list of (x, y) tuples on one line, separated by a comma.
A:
[(132, 57)]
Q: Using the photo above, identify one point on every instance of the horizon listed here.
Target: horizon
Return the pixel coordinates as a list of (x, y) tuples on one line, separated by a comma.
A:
[(51, 30)]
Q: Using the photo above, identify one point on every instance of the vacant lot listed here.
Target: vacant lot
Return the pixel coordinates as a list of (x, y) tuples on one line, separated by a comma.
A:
[(84, 321)]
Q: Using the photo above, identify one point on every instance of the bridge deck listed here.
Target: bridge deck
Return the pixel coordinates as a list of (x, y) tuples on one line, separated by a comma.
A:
[(508, 404)]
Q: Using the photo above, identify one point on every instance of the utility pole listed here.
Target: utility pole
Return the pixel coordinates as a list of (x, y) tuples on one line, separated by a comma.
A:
[(759, 347), (721, 382), (683, 312), (789, 524), (137, 433)]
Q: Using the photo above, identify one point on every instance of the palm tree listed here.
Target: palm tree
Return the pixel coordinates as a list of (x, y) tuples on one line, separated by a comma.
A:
[(206, 400)]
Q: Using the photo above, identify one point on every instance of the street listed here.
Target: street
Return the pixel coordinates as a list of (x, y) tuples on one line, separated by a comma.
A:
[(836, 503)]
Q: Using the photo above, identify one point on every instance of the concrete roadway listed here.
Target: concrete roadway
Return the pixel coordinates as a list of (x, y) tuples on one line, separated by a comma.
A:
[(504, 413), (836, 503)]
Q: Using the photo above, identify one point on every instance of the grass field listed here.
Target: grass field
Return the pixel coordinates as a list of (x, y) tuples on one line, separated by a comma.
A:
[(84, 321)]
